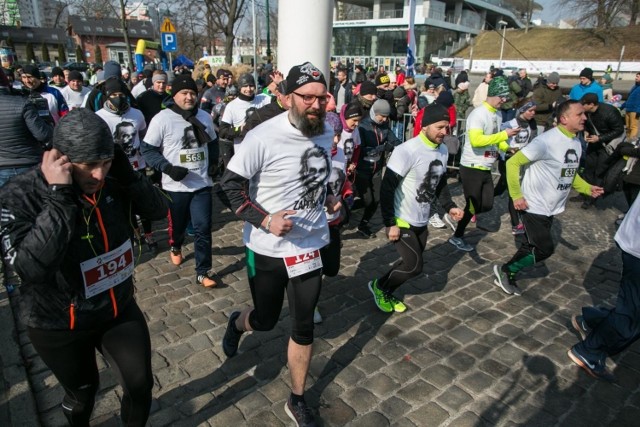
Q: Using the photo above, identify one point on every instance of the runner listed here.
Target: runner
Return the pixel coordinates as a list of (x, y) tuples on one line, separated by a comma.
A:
[(411, 183)]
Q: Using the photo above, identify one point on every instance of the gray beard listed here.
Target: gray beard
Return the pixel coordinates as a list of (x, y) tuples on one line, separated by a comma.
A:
[(308, 128)]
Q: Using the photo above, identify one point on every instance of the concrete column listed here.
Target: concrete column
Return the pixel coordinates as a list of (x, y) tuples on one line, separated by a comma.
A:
[(457, 12), (301, 40), (483, 19), (374, 45), (421, 48), (376, 9)]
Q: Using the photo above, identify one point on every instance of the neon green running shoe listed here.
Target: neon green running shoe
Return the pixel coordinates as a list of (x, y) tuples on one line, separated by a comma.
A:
[(398, 306), (380, 297)]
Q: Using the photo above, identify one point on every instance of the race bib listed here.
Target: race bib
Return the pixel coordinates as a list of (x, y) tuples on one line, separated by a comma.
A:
[(491, 154), (193, 158), (107, 270), (303, 263)]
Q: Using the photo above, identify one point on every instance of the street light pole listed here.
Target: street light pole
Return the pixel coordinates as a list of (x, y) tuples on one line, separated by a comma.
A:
[(504, 29), (268, 33)]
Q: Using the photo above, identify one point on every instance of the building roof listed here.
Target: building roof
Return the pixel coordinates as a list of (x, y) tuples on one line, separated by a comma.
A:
[(33, 35), (110, 27)]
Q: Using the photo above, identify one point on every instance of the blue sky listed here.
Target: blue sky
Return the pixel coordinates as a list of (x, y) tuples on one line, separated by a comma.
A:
[(551, 13)]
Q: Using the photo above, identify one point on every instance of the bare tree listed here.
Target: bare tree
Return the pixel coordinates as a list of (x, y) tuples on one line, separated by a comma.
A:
[(226, 16), (600, 15), (193, 35), (633, 9)]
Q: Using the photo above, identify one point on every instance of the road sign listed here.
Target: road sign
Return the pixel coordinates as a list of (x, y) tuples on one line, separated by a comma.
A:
[(167, 26), (169, 42)]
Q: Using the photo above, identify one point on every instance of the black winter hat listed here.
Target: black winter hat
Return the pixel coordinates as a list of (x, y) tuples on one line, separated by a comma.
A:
[(75, 75), (352, 110), (57, 71), (434, 113), (382, 79), (368, 88), (587, 72), (31, 70), (183, 81), (113, 85), (83, 136), (246, 80), (300, 75)]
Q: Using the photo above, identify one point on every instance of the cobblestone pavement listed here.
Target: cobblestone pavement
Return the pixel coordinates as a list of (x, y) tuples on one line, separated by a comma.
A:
[(464, 354)]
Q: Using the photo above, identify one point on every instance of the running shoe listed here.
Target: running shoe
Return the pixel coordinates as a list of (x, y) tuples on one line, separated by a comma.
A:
[(317, 317), (518, 229), (398, 305), (300, 414), (206, 281), (176, 255), (436, 222), (231, 338), (504, 280), (450, 221), (580, 326), (460, 244), (365, 230), (380, 297), (596, 370)]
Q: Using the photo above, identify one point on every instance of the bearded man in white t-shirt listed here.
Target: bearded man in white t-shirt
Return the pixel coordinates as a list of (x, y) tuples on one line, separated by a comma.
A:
[(285, 165), (182, 144)]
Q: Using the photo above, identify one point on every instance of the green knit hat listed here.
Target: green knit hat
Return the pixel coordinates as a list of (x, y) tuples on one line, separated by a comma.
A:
[(498, 86)]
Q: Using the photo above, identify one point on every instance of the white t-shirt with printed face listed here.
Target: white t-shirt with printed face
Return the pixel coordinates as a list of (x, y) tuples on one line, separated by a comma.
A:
[(177, 139), (286, 170), (126, 130), (489, 122), (548, 178), (422, 168), (349, 141), (235, 113)]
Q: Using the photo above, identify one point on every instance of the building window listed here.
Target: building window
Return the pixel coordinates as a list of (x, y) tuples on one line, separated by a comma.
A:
[(29, 35), (110, 30), (143, 31), (54, 36), (99, 29), (132, 31), (86, 28)]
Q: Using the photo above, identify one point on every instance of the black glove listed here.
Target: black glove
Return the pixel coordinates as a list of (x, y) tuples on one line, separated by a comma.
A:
[(121, 168), (176, 173)]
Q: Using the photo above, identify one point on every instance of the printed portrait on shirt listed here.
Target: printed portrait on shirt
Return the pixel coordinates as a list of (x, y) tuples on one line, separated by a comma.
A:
[(570, 166), (124, 135), (349, 146), (336, 180), (427, 190), (189, 139), (314, 171)]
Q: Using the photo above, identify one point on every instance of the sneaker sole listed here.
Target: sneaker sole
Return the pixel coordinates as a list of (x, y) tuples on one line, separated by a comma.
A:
[(176, 260), (370, 286), (576, 326), (587, 369), (498, 281), (213, 285), (290, 414)]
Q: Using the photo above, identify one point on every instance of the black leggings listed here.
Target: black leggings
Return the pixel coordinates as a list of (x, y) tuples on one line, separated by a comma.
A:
[(331, 253), (630, 192), (368, 188), (71, 356), (535, 245), (477, 186), (410, 246), (268, 280)]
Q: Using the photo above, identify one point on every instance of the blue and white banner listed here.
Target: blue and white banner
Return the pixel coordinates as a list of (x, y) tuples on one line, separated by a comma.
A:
[(411, 40)]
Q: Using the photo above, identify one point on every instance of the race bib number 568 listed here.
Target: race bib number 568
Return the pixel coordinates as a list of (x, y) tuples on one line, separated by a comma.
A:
[(107, 270)]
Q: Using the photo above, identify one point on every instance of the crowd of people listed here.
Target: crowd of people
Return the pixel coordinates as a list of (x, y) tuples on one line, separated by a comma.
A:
[(84, 170)]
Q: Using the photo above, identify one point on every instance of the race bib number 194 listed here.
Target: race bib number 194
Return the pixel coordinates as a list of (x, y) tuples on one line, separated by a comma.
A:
[(105, 271)]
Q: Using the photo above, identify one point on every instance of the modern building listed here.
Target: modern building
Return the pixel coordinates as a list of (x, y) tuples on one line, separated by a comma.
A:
[(375, 31), (33, 13), (36, 37)]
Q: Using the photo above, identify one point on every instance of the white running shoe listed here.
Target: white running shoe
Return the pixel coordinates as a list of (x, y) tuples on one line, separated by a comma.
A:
[(436, 222)]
